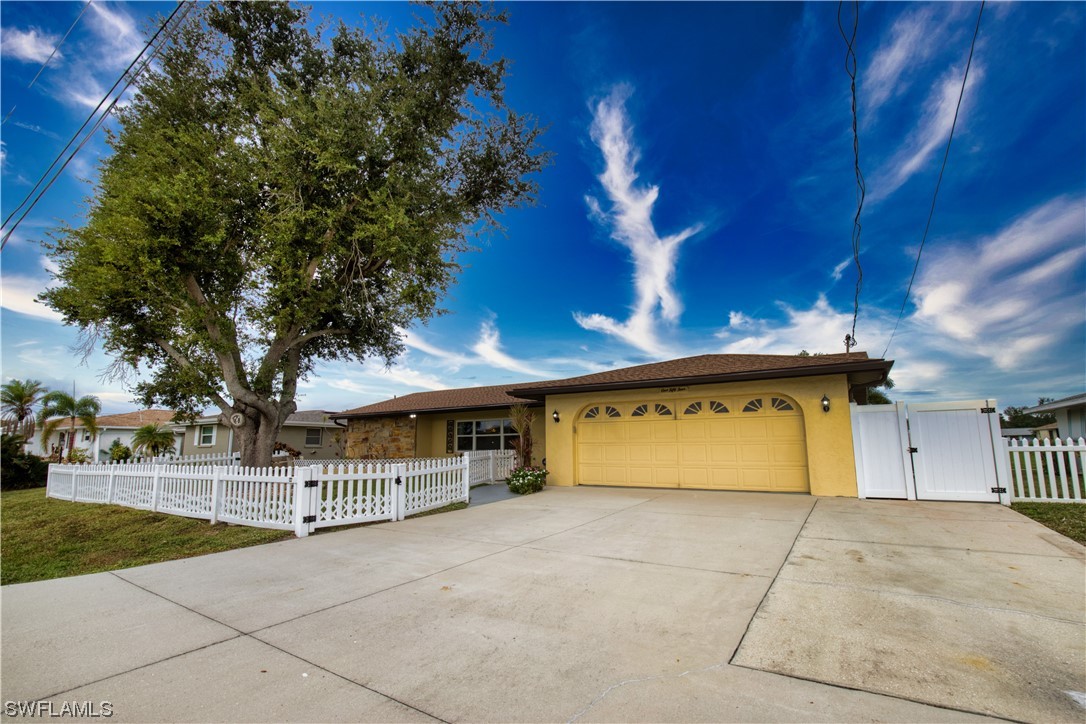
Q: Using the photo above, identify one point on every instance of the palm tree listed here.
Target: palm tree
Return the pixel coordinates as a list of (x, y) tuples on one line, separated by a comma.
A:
[(153, 438), (60, 406), (17, 400)]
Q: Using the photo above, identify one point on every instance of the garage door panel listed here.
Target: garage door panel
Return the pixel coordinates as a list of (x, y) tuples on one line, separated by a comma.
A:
[(705, 448)]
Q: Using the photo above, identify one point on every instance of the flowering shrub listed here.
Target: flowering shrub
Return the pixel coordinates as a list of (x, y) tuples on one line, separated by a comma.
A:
[(526, 480)]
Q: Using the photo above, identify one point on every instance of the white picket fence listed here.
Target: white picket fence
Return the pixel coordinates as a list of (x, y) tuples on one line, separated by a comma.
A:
[(1048, 471), (302, 498), (490, 465)]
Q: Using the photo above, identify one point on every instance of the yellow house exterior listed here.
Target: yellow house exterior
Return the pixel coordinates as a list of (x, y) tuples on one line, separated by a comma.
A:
[(727, 422)]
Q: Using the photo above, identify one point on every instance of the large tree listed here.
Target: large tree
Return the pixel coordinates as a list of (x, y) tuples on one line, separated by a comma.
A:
[(279, 195)]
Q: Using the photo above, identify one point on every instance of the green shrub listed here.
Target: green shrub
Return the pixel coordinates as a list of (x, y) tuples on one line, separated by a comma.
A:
[(78, 455), (525, 480), (119, 452), (19, 469)]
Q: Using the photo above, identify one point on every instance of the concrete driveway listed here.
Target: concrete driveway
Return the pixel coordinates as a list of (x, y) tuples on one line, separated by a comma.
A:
[(583, 604)]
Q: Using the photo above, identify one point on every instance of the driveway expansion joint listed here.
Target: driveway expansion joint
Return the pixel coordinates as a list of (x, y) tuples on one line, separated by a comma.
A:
[(941, 548)]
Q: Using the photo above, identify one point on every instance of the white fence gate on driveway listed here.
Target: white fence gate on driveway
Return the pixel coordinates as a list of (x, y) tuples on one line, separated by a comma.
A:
[(930, 451)]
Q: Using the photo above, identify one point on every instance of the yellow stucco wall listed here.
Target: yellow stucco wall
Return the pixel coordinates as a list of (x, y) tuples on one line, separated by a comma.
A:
[(430, 440), (830, 460)]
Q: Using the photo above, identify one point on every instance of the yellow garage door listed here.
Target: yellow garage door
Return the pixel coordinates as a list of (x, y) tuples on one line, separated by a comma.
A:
[(755, 442)]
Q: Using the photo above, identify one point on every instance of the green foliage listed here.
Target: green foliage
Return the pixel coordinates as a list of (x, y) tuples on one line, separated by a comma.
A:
[(522, 419), (17, 401), (1017, 417), (279, 195), (525, 480), (153, 439), (19, 469), (119, 452), (1064, 518), (58, 408), (78, 455)]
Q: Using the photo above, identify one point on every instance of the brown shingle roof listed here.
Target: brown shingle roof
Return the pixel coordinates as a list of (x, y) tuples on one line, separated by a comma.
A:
[(708, 368), (465, 398), (702, 369), (138, 418)]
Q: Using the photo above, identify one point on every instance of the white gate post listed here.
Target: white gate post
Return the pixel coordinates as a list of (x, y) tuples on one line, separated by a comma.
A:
[(156, 484), (999, 450), (216, 492), (906, 456), (491, 472), (49, 481), (400, 505), (75, 475), (112, 475), (302, 507), (465, 477)]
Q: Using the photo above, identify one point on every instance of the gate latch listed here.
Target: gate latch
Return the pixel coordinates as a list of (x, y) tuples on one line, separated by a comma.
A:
[(914, 449), (312, 483), (398, 481), (987, 410), (999, 490), (309, 519)]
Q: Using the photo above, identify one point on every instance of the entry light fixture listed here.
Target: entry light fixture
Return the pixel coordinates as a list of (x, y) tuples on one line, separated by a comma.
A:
[(825, 404), (555, 416), (412, 416)]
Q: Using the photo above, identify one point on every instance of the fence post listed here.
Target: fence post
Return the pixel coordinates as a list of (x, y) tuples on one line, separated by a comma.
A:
[(466, 477), (216, 492), (109, 493), (302, 507), (49, 481), (156, 484), (491, 472), (400, 506), (75, 476)]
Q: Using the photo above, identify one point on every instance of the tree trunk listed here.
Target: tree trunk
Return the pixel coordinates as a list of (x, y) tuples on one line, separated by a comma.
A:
[(256, 440), (71, 437)]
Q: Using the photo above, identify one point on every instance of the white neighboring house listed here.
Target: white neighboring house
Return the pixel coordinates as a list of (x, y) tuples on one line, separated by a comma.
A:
[(1070, 415), (311, 432), (110, 427)]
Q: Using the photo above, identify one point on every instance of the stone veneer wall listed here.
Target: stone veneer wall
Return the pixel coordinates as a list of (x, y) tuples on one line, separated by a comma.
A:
[(381, 437)]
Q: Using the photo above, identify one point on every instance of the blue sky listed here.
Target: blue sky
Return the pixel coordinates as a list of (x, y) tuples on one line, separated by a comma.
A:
[(700, 200)]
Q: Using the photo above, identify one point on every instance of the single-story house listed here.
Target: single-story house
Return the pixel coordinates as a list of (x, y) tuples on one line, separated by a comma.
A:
[(310, 432), (110, 427), (1018, 433), (1070, 415), (718, 421)]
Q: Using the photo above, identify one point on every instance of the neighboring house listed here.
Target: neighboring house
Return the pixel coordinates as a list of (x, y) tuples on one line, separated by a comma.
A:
[(736, 422), (1017, 433), (1070, 415), (311, 432), (110, 427)]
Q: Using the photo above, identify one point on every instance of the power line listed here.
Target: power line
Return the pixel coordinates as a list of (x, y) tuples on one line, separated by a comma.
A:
[(55, 49), (861, 186), (97, 125), (939, 181)]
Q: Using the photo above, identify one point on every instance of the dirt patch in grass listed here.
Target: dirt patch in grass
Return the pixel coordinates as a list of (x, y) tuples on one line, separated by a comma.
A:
[(1066, 518), (44, 538)]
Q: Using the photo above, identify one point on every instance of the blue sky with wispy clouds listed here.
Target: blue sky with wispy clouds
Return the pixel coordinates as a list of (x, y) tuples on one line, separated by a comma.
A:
[(701, 196)]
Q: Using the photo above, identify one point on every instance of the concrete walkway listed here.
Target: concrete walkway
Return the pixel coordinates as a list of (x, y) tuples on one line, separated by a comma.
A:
[(583, 604)]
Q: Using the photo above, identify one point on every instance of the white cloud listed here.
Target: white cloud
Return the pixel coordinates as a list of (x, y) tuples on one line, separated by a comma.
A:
[(930, 133), (29, 46), (913, 38), (489, 350), (839, 270), (34, 128), (818, 329), (18, 294), (630, 221), (453, 360), (1006, 295), (120, 40)]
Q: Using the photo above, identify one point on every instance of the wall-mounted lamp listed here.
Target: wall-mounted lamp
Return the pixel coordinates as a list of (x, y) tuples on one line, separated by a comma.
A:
[(412, 416), (825, 404), (555, 416)]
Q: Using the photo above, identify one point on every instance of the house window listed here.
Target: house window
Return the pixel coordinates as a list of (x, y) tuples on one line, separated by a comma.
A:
[(640, 411), (206, 436), (718, 407), (692, 409), (753, 406), (781, 405), (592, 413), (313, 436), (485, 435), (663, 410), (612, 412)]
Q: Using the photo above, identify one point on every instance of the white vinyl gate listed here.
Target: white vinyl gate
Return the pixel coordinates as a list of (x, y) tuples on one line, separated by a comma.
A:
[(930, 451)]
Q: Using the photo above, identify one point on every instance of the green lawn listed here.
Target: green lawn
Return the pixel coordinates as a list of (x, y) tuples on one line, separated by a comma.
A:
[(43, 538), (1066, 518)]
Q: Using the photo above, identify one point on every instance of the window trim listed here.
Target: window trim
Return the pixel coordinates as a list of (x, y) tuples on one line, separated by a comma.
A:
[(200, 435), (504, 423), (320, 437)]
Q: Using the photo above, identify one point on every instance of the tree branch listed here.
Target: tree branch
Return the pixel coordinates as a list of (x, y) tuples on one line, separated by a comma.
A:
[(177, 356)]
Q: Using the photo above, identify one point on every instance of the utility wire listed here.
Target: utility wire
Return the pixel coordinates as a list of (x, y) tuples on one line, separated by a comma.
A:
[(55, 49), (97, 125), (861, 186), (939, 181)]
